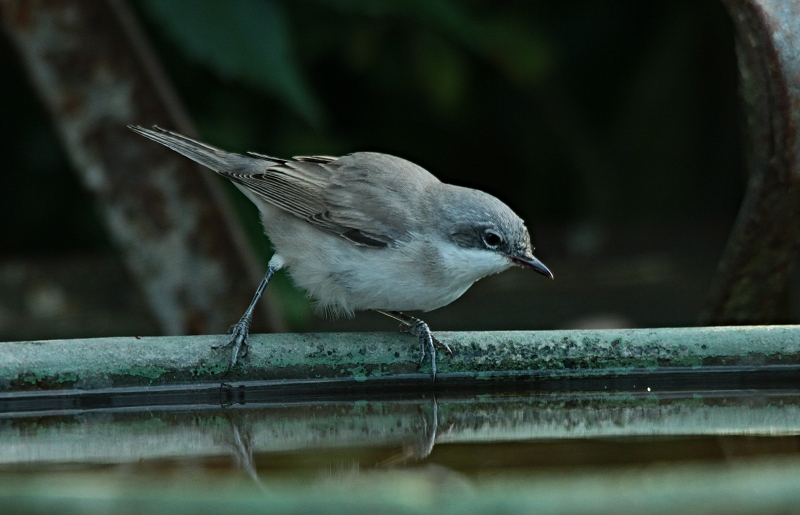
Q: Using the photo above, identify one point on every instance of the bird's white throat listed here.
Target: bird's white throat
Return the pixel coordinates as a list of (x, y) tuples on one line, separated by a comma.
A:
[(469, 265)]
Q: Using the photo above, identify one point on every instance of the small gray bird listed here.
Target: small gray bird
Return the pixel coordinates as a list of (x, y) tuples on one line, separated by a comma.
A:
[(368, 231)]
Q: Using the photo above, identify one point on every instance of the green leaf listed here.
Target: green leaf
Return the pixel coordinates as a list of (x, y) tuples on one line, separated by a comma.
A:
[(240, 39)]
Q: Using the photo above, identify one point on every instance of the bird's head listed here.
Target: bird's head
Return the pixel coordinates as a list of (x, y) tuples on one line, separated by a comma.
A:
[(480, 223)]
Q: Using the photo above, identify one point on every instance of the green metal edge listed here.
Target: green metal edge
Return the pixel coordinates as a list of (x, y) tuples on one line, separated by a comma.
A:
[(134, 361)]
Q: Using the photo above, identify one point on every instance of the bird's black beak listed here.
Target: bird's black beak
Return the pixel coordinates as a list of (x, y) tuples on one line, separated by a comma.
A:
[(532, 263)]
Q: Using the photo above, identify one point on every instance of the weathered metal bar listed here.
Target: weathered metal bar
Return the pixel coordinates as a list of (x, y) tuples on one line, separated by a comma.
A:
[(95, 73), (752, 275), (326, 362)]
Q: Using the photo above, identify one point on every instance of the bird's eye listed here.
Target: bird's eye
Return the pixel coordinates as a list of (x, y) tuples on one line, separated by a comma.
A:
[(492, 239)]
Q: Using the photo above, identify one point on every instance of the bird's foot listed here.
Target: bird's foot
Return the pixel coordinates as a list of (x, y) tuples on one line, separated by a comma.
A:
[(426, 343), (406, 328), (240, 338), (240, 331)]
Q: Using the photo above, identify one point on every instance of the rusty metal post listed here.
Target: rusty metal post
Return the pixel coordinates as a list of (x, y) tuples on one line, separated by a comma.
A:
[(94, 70), (753, 272)]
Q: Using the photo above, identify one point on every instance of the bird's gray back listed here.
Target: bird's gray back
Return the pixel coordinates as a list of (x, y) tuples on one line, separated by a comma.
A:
[(377, 192)]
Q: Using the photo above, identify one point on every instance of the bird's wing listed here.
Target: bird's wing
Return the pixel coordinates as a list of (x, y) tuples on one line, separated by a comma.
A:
[(376, 196), (342, 200), (363, 197)]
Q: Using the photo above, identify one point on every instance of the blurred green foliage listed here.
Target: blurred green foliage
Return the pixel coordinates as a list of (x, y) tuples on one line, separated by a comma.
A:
[(608, 111), (241, 39)]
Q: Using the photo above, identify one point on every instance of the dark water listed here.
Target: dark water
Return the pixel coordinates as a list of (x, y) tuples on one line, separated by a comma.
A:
[(227, 449)]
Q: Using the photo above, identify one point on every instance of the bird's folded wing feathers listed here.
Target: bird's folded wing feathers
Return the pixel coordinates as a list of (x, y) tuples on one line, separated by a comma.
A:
[(304, 189), (342, 200)]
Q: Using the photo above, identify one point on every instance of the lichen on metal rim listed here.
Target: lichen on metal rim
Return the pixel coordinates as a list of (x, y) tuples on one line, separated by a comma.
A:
[(131, 361)]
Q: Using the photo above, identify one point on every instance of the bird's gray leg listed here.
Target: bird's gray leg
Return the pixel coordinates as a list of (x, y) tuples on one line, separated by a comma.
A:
[(421, 330), (240, 331)]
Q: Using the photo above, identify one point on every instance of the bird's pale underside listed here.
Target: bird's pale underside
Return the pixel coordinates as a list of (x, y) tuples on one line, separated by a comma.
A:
[(368, 231)]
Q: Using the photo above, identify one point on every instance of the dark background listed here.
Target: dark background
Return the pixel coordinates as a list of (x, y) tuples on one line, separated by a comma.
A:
[(611, 127)]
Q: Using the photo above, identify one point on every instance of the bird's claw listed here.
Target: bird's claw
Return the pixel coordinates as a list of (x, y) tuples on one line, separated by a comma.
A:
[(444, 346), (240, 339), (405, 328), (426, 339)]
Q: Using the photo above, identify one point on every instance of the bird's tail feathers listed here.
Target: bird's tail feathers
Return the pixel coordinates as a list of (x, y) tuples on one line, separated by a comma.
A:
[(218, 160)]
